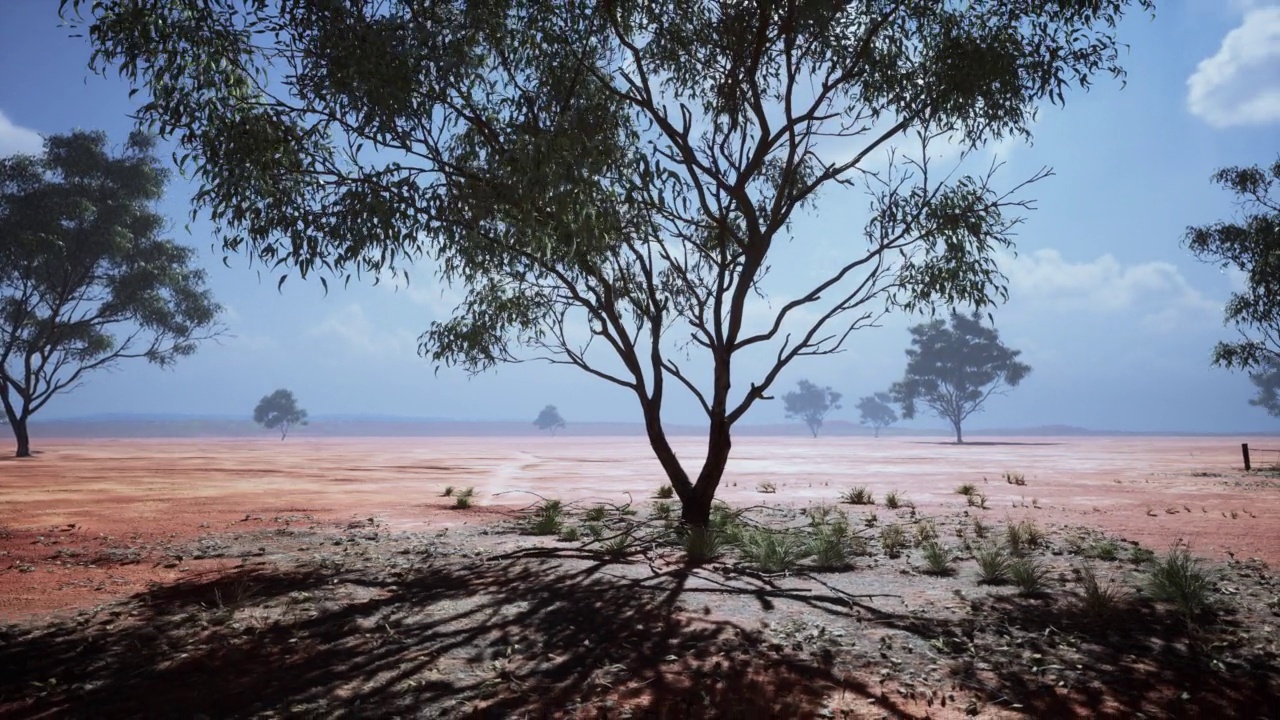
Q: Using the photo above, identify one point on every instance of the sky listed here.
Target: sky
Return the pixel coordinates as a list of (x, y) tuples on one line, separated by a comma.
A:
[(1116, 319)]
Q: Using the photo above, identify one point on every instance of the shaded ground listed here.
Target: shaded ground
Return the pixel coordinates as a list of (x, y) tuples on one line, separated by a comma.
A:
[(333, 580)]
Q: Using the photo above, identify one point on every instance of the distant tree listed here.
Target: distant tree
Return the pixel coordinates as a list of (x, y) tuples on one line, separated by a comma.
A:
[(1268, 383), (1251, 246), (549, 419), (811, 404), (876, 412), (954, 369), (279, 410), (87, 278)]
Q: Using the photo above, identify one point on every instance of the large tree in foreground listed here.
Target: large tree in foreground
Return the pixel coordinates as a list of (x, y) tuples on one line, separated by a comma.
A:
[(611, 181), (811, 404), (1251, 246), (87, 276), (953, 369)]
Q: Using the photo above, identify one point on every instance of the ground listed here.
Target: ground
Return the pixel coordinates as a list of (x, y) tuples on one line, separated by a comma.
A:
[(330, 577)]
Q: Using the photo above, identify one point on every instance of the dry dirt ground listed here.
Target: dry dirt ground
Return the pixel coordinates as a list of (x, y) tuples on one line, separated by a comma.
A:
[(334, 578)]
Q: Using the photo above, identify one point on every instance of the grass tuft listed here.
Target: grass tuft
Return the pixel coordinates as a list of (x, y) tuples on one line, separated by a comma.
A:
[(1179, 578), (462, 500), (993, 564), (703, 545), (937, 558), (665, 492), (773, 552), (1030, 575), (1099, 601), (967, 489), (894, 500), (893, 539), (860, 495)]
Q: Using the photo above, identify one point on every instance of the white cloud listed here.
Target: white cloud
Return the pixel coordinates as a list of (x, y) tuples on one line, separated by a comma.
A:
[(1155, 291), (353, 329), (1240, 84), (17, 139)]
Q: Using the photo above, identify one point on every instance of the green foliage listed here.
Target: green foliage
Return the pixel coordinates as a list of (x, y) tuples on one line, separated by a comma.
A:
[(532, 150), (617, 547), (1180, 579), (462, 500), (773, 551), (980, 529), (1103, 549), (994, 564), (1099, 600), (977, 499), (665, 492), (811, 403), (87, 276), (1029, 575), (1251, 245), (1139, 555), (663, 510), (547, 518), (874, 411), (703, 545), (1024, 536), (830, 544), (860, 495), (279, 411), (937, 558), (893, 500), (448, 491), (570, 533), (549, 419), (893, 539), (595, 514), (967, 489), (954, 368), (925, 532)]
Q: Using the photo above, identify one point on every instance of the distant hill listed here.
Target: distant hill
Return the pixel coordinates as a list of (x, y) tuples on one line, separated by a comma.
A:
[(124, 425)]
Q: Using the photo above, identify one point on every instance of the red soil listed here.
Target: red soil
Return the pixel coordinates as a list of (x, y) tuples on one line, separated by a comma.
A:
[(86, 495)]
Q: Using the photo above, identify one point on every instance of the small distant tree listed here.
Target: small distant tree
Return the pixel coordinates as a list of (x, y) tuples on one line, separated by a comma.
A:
[(1252, 246), (811, 404), (1268, 383), (549, 419), (876, 411), (87, 276), (953, 369), (279, 411)]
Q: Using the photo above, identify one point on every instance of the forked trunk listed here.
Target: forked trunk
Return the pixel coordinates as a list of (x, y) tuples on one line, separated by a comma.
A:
[(696, 510)]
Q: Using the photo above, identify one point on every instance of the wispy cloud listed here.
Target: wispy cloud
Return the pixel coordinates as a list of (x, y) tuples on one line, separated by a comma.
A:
[(17, 139), (1240, 84), (352, 329)]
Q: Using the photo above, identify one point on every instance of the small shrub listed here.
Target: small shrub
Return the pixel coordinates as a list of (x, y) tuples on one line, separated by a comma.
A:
[(448, 491), (871, 519), (546, 518), (860, 495), (937, 558), (773, 552), (665, 492), (1023, 537), (767, 487), (1104, 549), (594, 530), (967, 489), (926, 531), (1015, 478), (893, 539), (1179, 578), (595, 513), (829, 550), (462, 500), (1139, 555), (977, 500), (1099, 601), (1030, 575), (662, 510), (570, 534), (893, 500), (993, 564), (617, 547), (726, 520), (980, 529), (703, 545)]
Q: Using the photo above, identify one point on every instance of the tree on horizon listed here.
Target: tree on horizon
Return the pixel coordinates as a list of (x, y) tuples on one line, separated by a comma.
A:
[(549, 419), (811, 404), (279, 411)]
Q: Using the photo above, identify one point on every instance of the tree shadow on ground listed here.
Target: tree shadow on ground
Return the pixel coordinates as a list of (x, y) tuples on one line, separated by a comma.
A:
[(558, 633), (984, 443)]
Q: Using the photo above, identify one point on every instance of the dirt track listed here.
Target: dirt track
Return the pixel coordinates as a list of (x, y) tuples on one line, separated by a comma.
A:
[(81, 497)]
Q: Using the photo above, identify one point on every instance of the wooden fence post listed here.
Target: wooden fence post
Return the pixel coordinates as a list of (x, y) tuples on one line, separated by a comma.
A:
[(1244, 448)]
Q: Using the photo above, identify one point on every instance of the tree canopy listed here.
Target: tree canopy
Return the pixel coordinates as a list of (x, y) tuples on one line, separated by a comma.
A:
[(87, 276), (279, 411), (1267, 381), (874, 410), (549, 419), (811, 403), (608, 181), (953, 369), (1250, 245)]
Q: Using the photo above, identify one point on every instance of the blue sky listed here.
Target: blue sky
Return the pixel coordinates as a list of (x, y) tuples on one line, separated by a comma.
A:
[(1116, 319)]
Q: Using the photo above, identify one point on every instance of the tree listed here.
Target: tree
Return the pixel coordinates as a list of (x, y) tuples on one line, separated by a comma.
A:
[(87, 277), (811, 404), (1251, 246), (609, 182), (1267, 380), (954, 369), (279, 410), (875, 411), (549, 419)]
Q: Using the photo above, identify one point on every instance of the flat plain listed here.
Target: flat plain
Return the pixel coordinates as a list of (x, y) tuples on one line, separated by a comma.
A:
[(292, 551)]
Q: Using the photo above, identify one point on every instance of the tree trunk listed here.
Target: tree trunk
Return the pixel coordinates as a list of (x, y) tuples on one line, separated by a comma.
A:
[(959, 435), (696, 510), (21, 435), (876, 430)]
